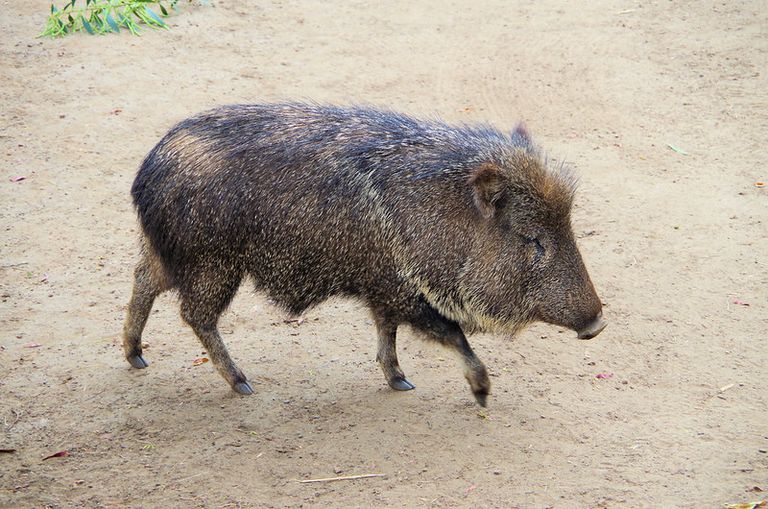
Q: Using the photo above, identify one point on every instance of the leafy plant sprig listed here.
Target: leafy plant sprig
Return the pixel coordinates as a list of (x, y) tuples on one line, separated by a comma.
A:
[(104, 16)]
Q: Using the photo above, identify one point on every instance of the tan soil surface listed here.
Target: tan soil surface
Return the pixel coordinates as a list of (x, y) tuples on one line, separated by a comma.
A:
[(672, 241)]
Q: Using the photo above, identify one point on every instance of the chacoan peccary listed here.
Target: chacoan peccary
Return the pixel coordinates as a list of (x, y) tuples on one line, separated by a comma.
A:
[(450, 230)]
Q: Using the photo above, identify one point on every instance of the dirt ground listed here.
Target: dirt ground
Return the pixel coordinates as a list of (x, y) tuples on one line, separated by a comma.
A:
[(676, 240)]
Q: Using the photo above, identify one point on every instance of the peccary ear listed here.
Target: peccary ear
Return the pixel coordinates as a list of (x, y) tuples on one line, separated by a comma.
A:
[(488, 186), (521, 137)]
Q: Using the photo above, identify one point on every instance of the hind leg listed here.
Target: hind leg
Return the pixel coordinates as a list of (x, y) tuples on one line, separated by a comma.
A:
[(202, 302), (149, 282), (387, 354)]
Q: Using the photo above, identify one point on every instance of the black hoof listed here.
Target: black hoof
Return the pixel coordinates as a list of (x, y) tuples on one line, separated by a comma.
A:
[(138, 362), (482, 398), (243, 388), (401, 384)]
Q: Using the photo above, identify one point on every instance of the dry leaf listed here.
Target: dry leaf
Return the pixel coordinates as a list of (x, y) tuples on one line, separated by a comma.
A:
[(60, 454), (198, 361), (751, 505)]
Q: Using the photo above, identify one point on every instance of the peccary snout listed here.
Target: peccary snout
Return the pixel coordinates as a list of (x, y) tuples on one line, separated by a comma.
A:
[(562, 287), (593, 328), (588, 307)]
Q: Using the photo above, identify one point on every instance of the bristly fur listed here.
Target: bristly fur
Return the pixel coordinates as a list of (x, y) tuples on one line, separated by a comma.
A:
[(425, 222), (196, 188)]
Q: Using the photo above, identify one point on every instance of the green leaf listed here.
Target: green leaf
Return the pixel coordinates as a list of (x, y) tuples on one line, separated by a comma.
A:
[(99, 24), (102, 16), (129, 24), (87, 25), (112, 23), (158, 20)]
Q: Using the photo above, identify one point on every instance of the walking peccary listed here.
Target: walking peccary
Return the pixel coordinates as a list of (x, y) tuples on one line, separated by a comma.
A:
[(447, 229)]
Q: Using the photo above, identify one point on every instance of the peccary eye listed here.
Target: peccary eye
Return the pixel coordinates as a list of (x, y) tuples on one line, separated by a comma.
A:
[(533, 241)]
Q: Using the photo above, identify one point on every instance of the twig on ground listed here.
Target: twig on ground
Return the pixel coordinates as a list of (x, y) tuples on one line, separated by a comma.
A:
[(12, 265), (18, 416), (179, 481), (343, 478), (188, 478)]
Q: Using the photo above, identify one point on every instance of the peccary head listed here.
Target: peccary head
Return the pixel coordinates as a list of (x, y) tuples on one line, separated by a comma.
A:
[(529, 251)]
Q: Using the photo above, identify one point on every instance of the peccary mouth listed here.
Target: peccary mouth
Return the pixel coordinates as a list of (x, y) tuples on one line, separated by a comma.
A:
[(593, 328)]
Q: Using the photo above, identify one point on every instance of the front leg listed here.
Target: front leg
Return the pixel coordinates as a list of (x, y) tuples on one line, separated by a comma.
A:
[(474, 370), (449, 333), (387, 354)]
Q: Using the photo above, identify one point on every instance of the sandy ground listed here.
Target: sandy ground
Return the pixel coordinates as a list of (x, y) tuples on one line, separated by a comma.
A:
[(674, 243)]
